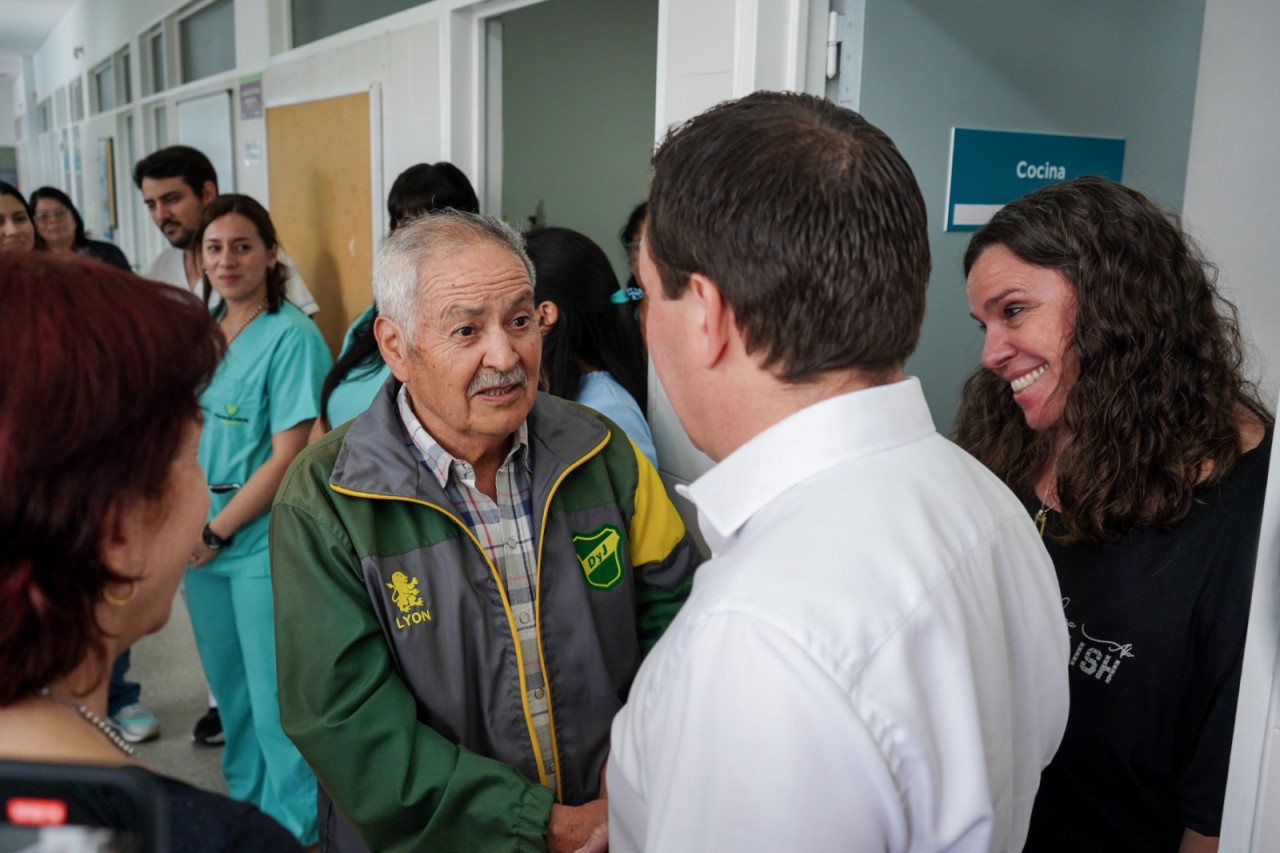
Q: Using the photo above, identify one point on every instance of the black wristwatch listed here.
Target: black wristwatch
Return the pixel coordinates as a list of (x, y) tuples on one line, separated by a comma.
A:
[(213, 541)]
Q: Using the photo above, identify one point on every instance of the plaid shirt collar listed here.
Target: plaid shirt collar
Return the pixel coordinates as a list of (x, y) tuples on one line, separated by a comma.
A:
[(441, 462)]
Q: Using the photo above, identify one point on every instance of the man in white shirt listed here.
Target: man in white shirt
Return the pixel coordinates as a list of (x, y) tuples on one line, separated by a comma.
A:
[(875, 658), (176, 183)]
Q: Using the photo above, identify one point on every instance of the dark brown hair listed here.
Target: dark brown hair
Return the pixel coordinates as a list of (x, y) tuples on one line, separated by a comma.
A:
[(427, 187), (249, 208), (81, 238), (1161, 385), (177, 161), (808, 221), (419, 189), (575, 274), (102, 372)]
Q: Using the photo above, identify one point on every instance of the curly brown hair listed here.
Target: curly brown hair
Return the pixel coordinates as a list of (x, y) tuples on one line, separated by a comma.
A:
[(1161, 387)]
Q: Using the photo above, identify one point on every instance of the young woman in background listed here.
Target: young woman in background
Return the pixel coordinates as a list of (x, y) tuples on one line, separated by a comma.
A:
[(17, 228), (592, 350), (257, 412)]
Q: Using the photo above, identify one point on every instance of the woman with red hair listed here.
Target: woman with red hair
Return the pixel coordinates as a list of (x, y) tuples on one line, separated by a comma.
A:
[(101, 495)]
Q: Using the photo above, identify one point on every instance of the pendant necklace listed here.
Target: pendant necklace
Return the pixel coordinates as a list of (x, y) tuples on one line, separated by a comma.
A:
[(1042, 514), (90, 717), (261, 307)]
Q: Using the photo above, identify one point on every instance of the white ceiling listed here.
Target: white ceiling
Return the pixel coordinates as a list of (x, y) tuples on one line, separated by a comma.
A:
[(25, 24)]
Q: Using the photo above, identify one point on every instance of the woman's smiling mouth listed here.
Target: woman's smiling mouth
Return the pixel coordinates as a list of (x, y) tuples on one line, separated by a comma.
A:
[(1024, 381)]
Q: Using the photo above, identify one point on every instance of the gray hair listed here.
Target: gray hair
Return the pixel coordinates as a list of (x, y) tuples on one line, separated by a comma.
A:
[(407, 250)]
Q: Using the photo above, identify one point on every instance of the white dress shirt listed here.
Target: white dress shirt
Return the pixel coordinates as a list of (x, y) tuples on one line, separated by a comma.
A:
[(170, 268), (874, 659)]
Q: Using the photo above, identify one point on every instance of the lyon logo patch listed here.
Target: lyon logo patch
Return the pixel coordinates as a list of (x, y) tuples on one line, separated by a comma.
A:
[(598, 554), (404, 595)]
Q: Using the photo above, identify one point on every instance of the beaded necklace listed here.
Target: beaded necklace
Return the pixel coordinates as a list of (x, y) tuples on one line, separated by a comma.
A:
[(261, 307), (89, 716)]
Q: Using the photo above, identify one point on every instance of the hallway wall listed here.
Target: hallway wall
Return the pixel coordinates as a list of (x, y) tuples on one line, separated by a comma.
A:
[(1232, 204), (1100, 69)]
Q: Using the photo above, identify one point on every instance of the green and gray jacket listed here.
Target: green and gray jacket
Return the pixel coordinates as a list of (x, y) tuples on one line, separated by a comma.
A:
[(399, 669)]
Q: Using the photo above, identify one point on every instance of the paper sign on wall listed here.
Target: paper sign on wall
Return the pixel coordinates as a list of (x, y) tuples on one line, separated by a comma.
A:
[(990, 168)]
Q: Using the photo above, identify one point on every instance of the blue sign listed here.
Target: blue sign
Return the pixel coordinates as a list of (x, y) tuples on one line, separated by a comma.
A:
[(990, 168)]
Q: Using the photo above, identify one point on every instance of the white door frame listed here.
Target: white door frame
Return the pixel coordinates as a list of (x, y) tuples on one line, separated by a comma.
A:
[(472, 99)]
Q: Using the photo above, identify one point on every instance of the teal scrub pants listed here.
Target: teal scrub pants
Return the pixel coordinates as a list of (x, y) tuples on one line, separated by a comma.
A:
[(233, 622)]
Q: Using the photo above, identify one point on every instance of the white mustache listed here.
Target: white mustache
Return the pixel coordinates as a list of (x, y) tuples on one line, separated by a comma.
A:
[(490, 378)]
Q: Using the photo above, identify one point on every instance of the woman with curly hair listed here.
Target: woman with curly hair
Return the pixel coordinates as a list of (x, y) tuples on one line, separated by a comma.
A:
[(1112, 399)]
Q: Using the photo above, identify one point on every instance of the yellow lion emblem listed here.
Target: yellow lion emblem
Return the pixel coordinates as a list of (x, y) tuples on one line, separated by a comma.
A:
[(404, 593)]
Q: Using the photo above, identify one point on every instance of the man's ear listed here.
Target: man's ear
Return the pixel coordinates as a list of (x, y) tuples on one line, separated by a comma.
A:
[(714, 320), (393, 346), (208, 192), (548, 313)]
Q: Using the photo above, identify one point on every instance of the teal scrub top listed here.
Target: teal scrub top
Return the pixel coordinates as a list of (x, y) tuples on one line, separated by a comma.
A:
[(268, 381), (356, 391)]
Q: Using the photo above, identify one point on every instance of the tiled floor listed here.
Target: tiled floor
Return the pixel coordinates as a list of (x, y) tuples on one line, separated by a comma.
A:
[(167, 667)]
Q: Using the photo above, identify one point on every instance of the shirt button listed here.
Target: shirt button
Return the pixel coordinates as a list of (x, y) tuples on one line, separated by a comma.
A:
[(539, 693), (524, 618), (511, 543)]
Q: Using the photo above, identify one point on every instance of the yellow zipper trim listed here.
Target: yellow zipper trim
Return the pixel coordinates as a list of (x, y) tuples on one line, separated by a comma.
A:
[(537, 621), (511, 623)]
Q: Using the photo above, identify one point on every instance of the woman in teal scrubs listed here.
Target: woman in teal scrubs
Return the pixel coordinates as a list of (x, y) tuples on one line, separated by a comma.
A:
[(360, 371), (257, 411)]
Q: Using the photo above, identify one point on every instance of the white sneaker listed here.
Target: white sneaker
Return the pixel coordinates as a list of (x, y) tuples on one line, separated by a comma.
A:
[(136, 723)]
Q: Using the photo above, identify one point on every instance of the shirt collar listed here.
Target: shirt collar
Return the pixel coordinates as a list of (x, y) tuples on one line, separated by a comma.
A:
[(817, 437), (441, 462)]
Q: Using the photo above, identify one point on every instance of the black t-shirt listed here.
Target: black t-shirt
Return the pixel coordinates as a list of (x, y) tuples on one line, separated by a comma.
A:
[(1157, 626)]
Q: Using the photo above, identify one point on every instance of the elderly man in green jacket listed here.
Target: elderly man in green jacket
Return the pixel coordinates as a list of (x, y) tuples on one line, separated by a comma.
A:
[(467, 575)]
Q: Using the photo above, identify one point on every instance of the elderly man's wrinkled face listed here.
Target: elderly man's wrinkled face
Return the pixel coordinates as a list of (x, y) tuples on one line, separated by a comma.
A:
[(472, 368)]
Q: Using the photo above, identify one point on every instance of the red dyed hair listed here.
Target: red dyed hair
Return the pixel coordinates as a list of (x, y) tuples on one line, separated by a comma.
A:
[(101, 372)]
